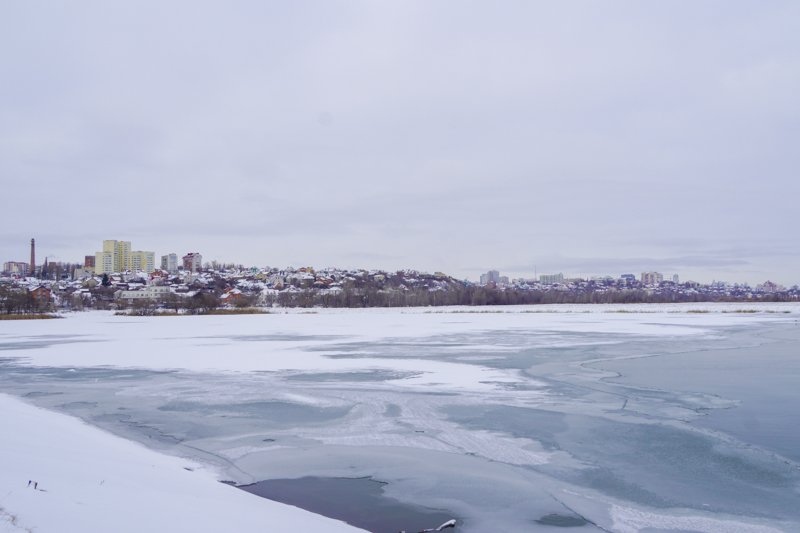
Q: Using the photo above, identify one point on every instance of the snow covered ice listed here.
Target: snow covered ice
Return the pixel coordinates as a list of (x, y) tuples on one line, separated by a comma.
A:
[(626, 418), (89, 480)]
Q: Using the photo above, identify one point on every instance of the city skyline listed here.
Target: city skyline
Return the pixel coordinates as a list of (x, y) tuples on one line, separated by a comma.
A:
[(588, 139), (481, 277)]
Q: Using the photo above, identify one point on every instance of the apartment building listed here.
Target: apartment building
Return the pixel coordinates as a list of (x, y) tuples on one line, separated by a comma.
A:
[(169, 263), (143, 261), (17, 268), (652, 278), (118, 257), (192, 262), (551, 279)]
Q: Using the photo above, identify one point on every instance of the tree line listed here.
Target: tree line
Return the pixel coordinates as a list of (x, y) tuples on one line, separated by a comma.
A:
[(477, 296), (14, 300), (19, 300)]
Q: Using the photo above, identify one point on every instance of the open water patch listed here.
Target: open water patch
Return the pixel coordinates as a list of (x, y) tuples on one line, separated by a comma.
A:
[(360, 502), (561, 520)]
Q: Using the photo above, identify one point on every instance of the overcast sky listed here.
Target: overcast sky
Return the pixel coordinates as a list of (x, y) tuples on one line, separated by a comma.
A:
[(581, 137)]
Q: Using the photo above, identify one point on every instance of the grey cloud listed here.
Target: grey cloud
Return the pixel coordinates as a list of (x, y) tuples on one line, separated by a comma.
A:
[(414, 134)]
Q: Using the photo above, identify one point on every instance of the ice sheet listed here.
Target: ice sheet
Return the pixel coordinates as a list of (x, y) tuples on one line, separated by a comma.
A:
[(492, 415)]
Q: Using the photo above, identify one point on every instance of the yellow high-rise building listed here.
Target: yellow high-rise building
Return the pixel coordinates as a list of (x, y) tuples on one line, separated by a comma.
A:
[(143, 261), (121, 251), (118, 257)]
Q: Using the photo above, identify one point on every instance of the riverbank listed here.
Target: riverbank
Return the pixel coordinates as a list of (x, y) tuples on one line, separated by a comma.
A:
[(32, 316), (84, 479)]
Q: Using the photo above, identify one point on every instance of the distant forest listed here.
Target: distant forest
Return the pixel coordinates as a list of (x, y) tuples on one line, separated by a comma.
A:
[(477, 296)]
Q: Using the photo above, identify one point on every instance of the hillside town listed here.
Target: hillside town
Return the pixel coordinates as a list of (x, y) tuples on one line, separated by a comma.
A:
[(119, 278)]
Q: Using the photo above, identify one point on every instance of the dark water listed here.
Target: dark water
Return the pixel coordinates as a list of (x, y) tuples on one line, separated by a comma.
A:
[(357, 501), (559, 520)]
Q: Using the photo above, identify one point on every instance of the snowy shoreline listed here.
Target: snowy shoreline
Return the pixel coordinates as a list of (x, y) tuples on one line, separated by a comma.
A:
[(92, 481)]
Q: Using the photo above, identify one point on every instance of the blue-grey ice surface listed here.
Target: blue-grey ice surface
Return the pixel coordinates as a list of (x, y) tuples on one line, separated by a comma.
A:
[(600, 429)]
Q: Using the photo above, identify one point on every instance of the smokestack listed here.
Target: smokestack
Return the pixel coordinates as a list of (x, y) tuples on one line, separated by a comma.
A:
[(33, 258)]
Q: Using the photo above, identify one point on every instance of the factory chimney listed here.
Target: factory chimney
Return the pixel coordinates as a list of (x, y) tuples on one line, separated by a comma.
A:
[(32, 271)]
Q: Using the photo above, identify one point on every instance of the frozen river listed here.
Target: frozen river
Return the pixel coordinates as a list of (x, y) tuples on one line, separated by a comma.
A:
[(595, 418)]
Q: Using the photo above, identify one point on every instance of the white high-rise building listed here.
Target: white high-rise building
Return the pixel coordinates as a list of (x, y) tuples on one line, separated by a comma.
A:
[(193, 262), (551, 279), (169, 263), (652, 278), (16, 267), (493, 276)]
